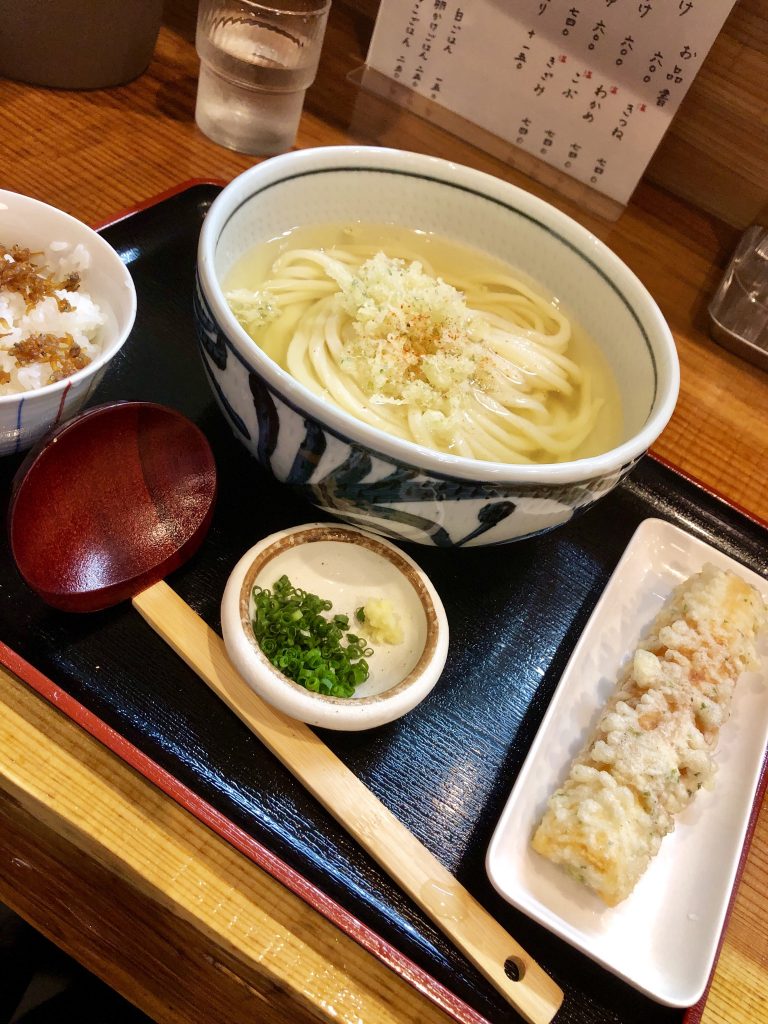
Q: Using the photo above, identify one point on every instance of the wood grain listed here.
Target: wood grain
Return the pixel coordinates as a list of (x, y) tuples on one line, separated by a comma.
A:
[(169, 914), (417, 871), (99, 152), (716, 150)]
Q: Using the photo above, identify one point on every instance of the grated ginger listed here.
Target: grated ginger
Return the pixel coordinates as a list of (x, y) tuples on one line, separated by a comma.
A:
[(381, 622)]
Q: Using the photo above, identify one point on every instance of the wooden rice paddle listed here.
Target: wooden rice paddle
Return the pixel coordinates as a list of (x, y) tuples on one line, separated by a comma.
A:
[(101, 512)]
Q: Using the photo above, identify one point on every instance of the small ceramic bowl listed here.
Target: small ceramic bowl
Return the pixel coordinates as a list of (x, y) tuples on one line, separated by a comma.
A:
[(347, 567), (27, 416), (362, 474)]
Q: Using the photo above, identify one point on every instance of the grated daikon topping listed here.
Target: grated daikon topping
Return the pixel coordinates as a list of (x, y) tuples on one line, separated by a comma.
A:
[(413, 339)]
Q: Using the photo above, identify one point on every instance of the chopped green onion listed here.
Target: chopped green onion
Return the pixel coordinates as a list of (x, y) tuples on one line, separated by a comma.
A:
[(360, 614), (304, 645)]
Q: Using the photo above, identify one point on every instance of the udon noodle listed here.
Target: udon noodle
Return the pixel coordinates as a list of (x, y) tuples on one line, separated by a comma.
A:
[(474, 363)]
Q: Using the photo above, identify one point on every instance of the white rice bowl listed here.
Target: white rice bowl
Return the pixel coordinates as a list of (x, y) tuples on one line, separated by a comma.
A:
[(102, 313)]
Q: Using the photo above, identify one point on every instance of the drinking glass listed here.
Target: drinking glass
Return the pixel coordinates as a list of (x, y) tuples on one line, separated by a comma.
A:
[(256, 62)]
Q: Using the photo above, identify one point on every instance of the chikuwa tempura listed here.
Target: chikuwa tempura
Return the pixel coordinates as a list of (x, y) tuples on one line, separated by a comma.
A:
[(653, 747)]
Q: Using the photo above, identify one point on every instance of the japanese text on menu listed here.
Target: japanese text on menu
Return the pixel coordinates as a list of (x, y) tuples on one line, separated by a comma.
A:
[(589, 86)]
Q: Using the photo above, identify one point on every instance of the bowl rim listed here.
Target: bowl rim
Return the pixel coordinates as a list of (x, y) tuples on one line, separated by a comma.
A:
[(321, 709), (101, 245), (301, 162)]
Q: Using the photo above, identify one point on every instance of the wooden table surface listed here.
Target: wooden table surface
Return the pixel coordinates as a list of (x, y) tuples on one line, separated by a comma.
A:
[(91, 853)]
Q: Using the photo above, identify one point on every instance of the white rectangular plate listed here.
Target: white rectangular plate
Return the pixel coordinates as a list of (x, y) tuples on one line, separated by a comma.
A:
[(663, 938)]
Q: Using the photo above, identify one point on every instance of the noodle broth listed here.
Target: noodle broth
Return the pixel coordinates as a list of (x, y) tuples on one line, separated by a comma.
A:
[(463, 354)]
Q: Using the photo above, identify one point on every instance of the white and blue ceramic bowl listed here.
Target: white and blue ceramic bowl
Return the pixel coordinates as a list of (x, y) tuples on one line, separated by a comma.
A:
[(27, 416), (369, 478), (347, 567)]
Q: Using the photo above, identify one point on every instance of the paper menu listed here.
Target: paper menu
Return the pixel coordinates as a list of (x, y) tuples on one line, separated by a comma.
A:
[(588, 86)]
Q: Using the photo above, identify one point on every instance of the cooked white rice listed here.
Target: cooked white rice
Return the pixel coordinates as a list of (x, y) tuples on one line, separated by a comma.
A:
[(18, 323)]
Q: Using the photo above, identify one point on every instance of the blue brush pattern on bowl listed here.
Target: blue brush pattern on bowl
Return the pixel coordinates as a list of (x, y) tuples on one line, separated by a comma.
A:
[(360, 474)]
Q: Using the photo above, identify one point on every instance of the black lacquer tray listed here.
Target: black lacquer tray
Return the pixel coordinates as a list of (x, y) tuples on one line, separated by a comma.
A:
[(446, 768)]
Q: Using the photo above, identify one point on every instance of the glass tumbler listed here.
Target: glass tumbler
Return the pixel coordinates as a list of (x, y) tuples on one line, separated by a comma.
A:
[(256, 62)]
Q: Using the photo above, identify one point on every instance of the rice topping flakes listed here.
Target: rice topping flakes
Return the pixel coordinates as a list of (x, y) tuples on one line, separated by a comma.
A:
[(49, 326), (20, 273)]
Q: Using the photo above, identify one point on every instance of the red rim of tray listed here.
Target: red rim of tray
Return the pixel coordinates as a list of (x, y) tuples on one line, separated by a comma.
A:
[(282, 872)]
